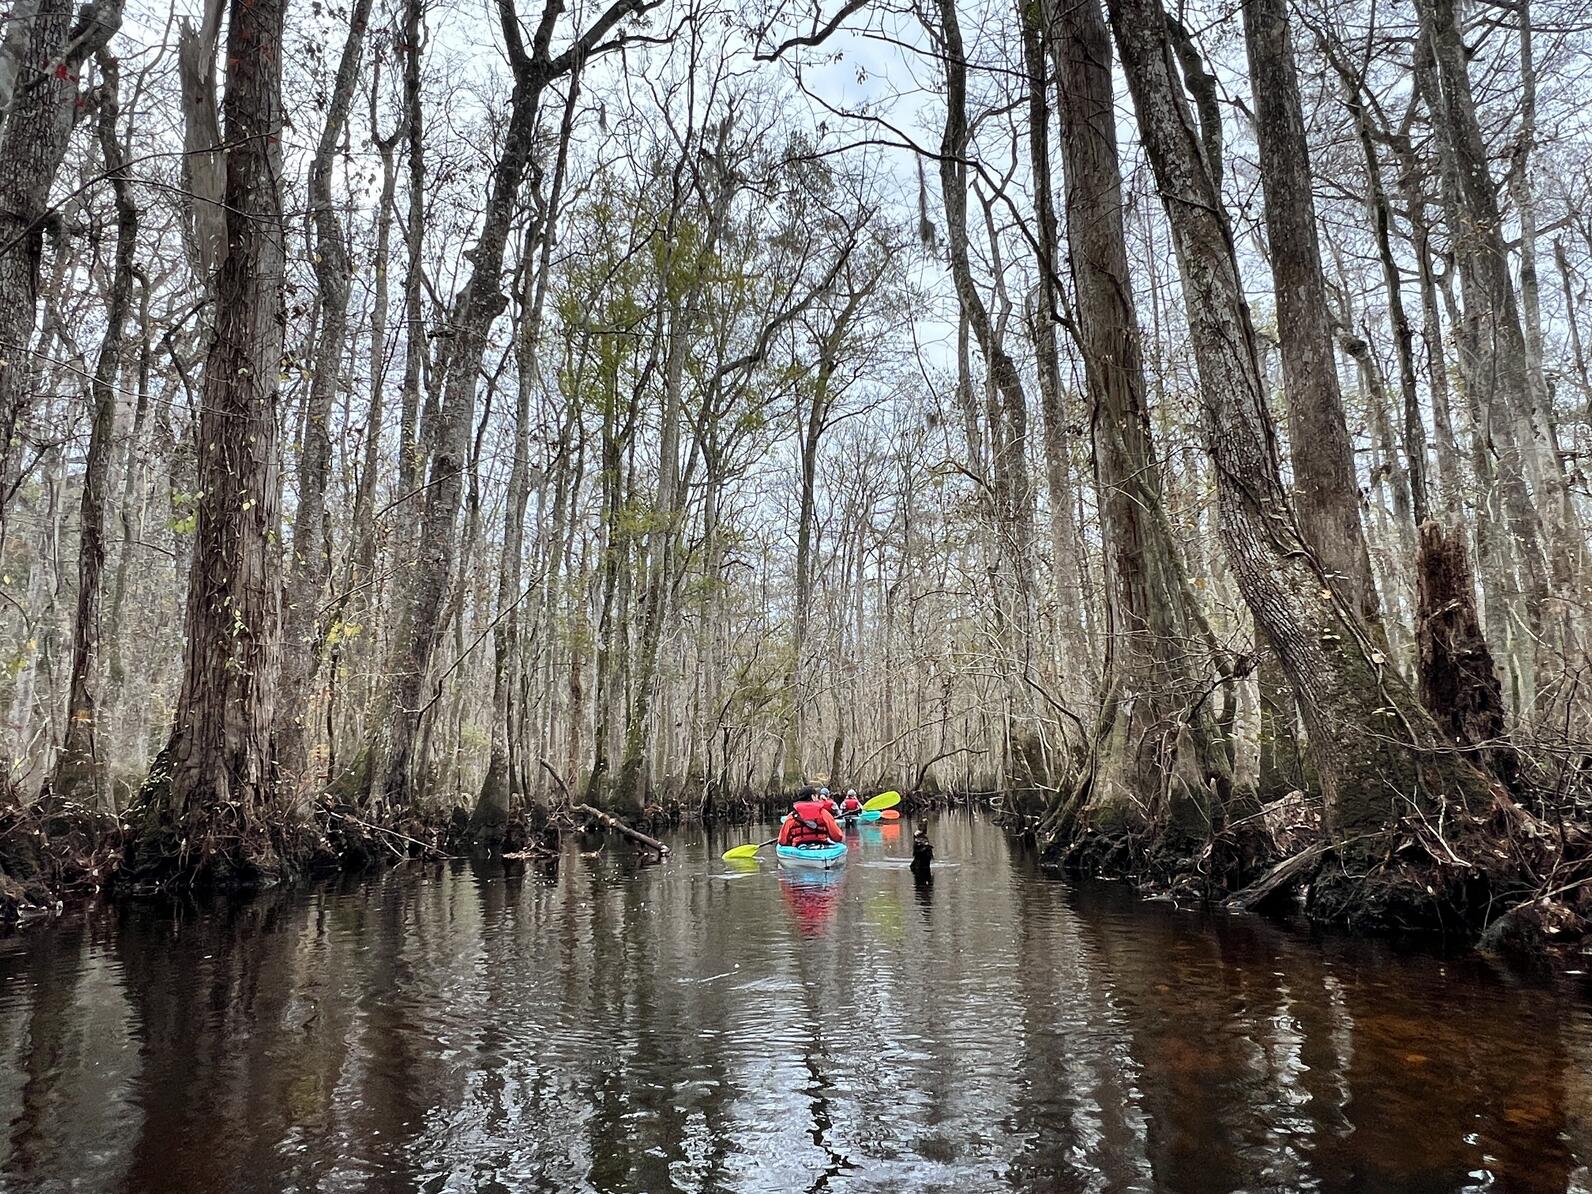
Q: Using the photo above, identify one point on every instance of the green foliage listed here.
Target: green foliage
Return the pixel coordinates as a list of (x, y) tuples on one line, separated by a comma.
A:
[(184, 513)]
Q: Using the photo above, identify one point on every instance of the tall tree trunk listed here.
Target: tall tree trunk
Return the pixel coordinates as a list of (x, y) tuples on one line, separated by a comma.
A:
[(208, 791), (1067, 552), (77, 768), (133, 498), (811, 432), (360, 587), (309, 561), (1381, 212), (492, 803), (1155, 746), (1326, 492), (475, 309), (412, 455), (1541, 521), (1008, 431), (1377, 752)]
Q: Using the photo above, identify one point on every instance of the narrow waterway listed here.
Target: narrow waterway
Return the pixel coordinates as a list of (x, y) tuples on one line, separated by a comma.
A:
[(601, 1025)]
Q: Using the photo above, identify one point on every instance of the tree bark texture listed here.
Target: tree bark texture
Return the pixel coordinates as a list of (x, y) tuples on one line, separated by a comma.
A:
[(1151, 715), (1377, 752), (1326, 491), (213, 780), (33, 139)]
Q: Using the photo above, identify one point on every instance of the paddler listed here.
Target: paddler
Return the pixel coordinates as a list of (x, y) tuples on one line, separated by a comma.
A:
[(851, 806), (810, 823)]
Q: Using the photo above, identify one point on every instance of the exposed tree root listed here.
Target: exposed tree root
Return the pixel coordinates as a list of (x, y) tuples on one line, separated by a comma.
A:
[(1461, 874), (1497, 876), (52, 849)]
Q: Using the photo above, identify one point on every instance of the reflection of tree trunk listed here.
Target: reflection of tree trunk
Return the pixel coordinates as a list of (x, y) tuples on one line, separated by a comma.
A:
[(1505, 1096), (211, 1005), (52, 1022)]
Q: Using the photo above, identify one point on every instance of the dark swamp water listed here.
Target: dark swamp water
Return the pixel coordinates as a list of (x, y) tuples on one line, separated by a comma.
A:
[(605, 1026)]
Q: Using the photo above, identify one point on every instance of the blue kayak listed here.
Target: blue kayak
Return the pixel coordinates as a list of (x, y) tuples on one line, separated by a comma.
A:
[(832, 854)]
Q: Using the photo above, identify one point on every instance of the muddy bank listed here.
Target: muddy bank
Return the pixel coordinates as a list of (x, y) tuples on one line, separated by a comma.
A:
[(1498, 879), (53, 851)]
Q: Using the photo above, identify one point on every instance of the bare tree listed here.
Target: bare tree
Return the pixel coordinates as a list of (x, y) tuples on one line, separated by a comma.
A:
[(43, 65)]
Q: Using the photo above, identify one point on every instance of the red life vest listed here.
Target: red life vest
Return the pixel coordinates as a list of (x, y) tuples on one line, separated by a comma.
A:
[(852, 805), (808, 826)]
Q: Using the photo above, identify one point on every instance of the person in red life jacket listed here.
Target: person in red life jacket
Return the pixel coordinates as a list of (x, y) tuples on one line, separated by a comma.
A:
[(829, 802), (810, 824), (851, 805)]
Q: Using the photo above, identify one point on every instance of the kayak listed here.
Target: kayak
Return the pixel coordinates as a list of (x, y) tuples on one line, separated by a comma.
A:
[(864, 816), (832, 854)]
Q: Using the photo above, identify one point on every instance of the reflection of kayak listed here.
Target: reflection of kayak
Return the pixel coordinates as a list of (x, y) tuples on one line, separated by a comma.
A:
[(813, 895), (883, 831), (825, 856)]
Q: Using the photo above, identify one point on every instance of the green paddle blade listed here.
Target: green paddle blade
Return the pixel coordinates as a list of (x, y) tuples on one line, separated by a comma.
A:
[(747, 851), (882, 801)]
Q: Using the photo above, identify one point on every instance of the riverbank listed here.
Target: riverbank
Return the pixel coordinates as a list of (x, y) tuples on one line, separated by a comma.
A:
[(52, 853), (1501, 880)]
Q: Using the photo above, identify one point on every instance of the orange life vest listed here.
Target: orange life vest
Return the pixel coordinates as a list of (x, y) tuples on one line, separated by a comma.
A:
[(807, 824)]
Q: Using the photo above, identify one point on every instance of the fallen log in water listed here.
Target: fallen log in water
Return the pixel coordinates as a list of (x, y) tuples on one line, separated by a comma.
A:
[(1279, 877), (618, 826)]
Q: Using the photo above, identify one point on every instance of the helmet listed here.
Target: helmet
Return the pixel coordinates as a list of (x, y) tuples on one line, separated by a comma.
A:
[(823, 791), (851, 791)]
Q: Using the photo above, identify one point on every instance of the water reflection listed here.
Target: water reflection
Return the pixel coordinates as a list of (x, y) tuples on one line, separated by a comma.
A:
[(604, 1025), (813, 897)]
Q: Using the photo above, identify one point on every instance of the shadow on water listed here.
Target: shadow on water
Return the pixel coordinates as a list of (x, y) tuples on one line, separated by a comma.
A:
[(598, 1024)]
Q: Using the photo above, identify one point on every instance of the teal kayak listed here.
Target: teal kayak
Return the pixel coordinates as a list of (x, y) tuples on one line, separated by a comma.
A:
[(860, 817), (832, 854)]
